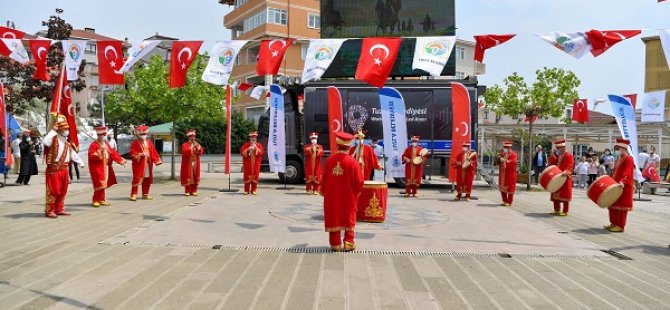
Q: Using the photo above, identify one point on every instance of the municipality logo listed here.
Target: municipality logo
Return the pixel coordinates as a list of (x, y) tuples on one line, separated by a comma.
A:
[(226, 57), (396, 161), (436, 48), (74, 52), (323, 53), (139, 50), (275, 155), (565, 44), (654, 103)]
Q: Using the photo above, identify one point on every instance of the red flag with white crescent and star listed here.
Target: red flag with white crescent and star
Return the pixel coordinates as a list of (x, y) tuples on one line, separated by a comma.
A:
[(601, 41), (270, 56), (334, 116), (580, 111), (377, 58), (651, 173), (9, 33), (110, 60), (460, 128), (40, 51), (486, 41), (62, 104), (183, 54), (632, 98)]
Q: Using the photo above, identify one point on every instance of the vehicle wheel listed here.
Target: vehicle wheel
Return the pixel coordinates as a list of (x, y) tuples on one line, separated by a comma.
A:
[(400, 182), (294, 174)]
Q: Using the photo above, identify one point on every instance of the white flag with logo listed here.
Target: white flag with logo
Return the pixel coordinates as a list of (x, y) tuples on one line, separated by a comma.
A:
[(257, 92), (137, 52), (665, 42), (19, 52), (221, 61), (320, 54), (574, 44), (74, 54), (653, 107), (431, 54)]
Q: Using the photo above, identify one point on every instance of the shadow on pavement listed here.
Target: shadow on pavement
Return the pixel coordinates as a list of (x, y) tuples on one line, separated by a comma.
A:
[(647, 249), (489, 205), (24, 215), (592, 231), (543, 215), (57, 298)]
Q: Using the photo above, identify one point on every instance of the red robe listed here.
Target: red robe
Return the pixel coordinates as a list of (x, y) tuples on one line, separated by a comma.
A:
[(565, 162), (100, 159), (507, 172), (313, 157), (341, 183), (623, 172), (369, 159), (251, 162), (144, 156), (465, 176), (413, 172), (190, 163)]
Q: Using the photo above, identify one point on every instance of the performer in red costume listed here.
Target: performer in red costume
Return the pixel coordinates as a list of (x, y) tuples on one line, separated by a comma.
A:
[(313, 157), (466, 168), (100, 158), (144, 156), (507, 173), (341, 184), (622, 173), (191, 151), (413, 171), (365, 156), (251, 163), (566, 162), (60, 151)]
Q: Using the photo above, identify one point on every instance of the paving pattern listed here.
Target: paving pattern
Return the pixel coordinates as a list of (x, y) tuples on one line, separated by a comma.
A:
[(137, 255)]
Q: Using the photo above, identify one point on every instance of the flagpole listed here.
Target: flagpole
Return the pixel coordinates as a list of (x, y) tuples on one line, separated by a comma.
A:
[(54, 114), (227, 156)]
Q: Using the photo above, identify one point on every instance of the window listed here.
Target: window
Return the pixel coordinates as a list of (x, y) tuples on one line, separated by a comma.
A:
[(303, 51), (460, 53), (254, 113), (239, 3), (254, 21), (277, 16), (90, 49), (252, 55), (313, 21), (460, 75), (238, 59)]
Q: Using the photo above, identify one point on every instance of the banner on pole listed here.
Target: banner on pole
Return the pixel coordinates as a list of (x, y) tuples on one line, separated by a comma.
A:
[(137, 51), (625, 119), (221, 62), (653, 107), (395, 130), (228, 128), (74, 54), (277, 137), (460, 130), (334, 115), (431, 54), (320, 54)]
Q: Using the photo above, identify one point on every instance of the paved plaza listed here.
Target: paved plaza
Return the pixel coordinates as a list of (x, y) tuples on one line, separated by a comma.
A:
[(229, 251)]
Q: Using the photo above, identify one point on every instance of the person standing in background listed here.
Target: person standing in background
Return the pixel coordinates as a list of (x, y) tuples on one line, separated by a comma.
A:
[(539, 162), (642, 158), (111, 141), (28, 165), (593, 168), (582, 170), (602, 170), (16, 152), (608, 160), (379, 175)]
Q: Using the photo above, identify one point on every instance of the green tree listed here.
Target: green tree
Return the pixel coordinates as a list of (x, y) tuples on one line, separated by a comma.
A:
[(212, 132), (148, 99), (553, 91), (22, 87)]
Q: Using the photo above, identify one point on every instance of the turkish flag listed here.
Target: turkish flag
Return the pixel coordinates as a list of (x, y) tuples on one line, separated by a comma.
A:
[(110, 60), (9, 33), (651, 173), (632, 98), (40, 51), (270, 56), (377, 58), (244, 86), (527, 119), (580, 111), (601, 41), (62, 104), (486, 41), (334, 116), (183, 54), (460, 125)]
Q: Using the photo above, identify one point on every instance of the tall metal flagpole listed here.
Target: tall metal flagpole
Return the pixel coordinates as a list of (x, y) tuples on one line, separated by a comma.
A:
[(102, 104), (229, 118)]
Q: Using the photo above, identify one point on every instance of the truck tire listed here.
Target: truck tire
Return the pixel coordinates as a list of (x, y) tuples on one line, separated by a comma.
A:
[(294, 173), (399, 182)]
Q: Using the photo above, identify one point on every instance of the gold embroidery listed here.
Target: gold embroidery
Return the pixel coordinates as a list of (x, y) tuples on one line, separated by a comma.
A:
[(374, 209), (338, 171)]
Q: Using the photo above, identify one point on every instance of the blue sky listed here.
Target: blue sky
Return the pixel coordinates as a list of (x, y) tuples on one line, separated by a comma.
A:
[(619, 71)]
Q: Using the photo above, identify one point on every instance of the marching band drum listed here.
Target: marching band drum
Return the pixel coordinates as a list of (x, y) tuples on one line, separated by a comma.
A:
[(372, 202), (604, 191), (552, 179)]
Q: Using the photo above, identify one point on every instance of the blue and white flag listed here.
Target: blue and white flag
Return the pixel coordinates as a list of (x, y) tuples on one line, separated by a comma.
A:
[(73, 51), (137, 52), (625, 118), (395, 130), (277, 138)]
